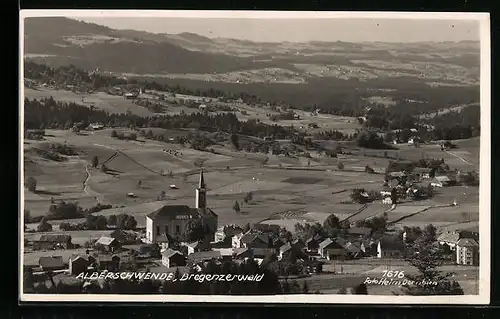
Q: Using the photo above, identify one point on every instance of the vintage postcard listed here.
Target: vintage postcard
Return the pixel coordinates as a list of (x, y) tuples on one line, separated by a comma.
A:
[(255, 157)]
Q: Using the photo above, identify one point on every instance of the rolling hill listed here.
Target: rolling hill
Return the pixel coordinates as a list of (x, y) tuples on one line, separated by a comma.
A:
[(62, 41)]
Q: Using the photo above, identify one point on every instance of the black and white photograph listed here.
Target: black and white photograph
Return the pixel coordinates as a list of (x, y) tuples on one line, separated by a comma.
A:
[(254, 156)]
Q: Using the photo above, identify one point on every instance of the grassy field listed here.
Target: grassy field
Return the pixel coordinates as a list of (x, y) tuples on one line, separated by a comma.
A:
[(110, 103), (293, 187)]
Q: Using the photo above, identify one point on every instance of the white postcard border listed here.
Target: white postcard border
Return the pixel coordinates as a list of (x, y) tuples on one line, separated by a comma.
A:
[(485, 160)]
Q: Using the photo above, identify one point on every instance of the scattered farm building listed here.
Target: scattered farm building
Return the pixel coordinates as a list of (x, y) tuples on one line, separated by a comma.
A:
[(107, 244), (52, 241), (172, 258), (51, 263)]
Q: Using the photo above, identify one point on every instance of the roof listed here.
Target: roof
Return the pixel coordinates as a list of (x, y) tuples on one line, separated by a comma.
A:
[(449, 237), (250, 238), (180, 210), (193, 245), (263, 252), (204, 255), (202, 179), (107, 258), (352, 248), (239, 251), (359, 231), (397, 174), (54, 238), (105, 240), (286, 247), (167, 253), (51, 262), (225, 252), (80, 257), (467, 242), (443, 178)]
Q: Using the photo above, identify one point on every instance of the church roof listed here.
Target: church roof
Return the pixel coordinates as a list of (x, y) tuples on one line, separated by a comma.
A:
[(202, 180), (180, 210)]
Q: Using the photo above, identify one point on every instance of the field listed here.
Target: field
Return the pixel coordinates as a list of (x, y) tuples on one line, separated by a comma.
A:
[(281, 195)]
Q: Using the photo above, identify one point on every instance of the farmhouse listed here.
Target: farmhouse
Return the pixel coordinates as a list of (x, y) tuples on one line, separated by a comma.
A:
[(51, 263), (467, 252), (449, 238), (193, 247), (369, 247), (285, 251), (176, 220), (204, 256), (422, 172), (312, 243), (331, 250), (252, 240), (107, 244), (79, 264), (441, 181), (47, 242), (389, 248), (172, 258), (123, 236)]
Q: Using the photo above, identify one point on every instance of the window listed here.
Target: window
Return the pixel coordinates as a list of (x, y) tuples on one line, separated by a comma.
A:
[(177, 229), (157, 230)]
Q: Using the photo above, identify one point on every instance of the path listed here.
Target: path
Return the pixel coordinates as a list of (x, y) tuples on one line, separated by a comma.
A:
[(460, 158), (87, 177)]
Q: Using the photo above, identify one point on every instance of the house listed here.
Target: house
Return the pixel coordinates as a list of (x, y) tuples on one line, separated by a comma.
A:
[(331, 250), (225, 232), (123, 236), (353, 250), (172, 258), (312, 243), (79, 264), (467, 252), (193, 247), (51, 263), (422, 172), (441, 181), (148, 251), (173, 221), (359, 231), (51, 241), (393, 175), (285, 251), (107, 244), (226, 253), (314, 266), (204, 256), (390, 247), (110, 263), (449, 238), (253, 240), (262, 253)]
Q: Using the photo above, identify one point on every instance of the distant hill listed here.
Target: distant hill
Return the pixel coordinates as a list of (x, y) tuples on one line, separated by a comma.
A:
[(61, 41)]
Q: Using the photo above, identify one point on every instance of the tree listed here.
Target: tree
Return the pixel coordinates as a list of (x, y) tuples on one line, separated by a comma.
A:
[(162, 195), (235, 141), (114, 134), (31, 184), (331, 225), (426, 256), (369, 170), (104, 168), (361, 289), (139, 184), (44, 226), (112, 220), (95, 161), (236, 207), (305, 287), (248, 197), (340, 166)]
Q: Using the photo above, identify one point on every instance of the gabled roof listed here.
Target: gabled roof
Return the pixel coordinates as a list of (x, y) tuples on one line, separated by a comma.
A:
[(286, 247), (443, 178), (447, 237), (352, 248), (173, 211), (167, 253), (251, 238), (51, 262), (204, 255), (80, 257), (106, 241), (467, 242), (54, 238), (422, 170)]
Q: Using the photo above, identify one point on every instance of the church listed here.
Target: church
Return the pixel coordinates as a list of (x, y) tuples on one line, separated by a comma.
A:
[(172, 221)]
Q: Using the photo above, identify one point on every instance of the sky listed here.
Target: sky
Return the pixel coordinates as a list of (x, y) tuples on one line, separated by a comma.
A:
[(303, 30)]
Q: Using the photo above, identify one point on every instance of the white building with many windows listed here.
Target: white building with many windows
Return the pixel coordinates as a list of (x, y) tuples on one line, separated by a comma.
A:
[(467, 252)]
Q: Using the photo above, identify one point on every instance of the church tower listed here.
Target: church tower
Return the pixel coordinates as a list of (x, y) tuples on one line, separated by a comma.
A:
[(201, 193)]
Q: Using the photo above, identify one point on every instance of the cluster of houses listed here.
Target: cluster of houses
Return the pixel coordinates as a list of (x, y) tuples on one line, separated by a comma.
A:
[(464, 244)]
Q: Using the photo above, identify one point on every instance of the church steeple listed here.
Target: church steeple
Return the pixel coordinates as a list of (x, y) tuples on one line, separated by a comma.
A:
[(202, 180), (201, 193)]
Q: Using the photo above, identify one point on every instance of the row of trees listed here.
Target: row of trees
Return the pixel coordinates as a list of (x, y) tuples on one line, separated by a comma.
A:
[(100, 222)]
